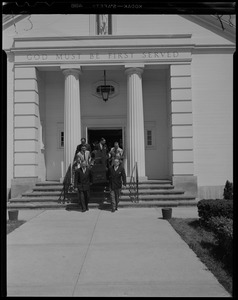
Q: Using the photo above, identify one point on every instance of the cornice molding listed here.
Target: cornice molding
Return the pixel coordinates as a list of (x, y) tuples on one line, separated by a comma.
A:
[(110, 49), (112, 43), (105, 37), (124, 48)]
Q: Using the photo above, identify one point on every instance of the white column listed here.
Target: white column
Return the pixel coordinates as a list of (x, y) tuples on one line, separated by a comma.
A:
[(72, 115), (135, 122)]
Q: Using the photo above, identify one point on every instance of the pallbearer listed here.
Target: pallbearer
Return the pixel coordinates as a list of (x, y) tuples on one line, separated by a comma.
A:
[(83, 182), (117, 177)]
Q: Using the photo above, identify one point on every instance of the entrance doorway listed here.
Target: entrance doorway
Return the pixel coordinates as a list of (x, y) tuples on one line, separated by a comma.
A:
[(110, 135)]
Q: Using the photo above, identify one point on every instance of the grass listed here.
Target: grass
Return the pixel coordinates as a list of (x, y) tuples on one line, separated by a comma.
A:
[(12, 225), (202, 242)]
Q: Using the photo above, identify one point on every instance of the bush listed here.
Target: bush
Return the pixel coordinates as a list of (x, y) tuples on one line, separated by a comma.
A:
[(208, 208), (228, 191), (223, 230)]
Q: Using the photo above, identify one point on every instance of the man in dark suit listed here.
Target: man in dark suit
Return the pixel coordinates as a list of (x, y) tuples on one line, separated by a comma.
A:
[(117, 177), (83, 181)]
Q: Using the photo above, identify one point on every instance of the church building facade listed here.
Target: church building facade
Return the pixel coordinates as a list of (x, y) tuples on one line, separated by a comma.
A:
[(170, 101)]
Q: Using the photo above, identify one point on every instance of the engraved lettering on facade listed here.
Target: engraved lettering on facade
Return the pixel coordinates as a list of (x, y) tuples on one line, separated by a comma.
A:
[(59, 56), (94, 56), (103, 56)]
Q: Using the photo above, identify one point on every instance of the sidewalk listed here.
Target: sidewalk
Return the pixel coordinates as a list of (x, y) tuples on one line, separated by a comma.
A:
[(132, 252)]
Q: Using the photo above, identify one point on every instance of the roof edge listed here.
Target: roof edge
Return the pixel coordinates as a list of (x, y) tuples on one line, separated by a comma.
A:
[(211, 23)]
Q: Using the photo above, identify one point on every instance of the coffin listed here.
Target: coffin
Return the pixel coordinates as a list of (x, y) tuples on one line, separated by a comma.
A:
[(99, 173)]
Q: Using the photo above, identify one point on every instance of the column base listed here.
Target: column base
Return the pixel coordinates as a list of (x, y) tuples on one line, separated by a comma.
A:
[(61, 179), (143, 178), (186, 183)]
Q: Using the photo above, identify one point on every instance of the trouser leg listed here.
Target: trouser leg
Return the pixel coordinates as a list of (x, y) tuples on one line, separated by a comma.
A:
[(113, 199), (82, 197), (117, 195), (87, 195), (79, 198)]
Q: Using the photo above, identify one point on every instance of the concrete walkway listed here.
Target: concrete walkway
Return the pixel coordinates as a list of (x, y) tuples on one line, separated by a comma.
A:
[(132, 252)]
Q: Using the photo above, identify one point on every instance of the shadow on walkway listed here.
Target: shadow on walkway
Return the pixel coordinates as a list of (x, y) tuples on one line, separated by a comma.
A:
[(105, 206)]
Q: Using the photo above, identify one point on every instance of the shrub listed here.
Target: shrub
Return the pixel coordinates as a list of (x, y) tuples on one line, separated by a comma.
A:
[(228, 190), (223, 230), (208, 208)]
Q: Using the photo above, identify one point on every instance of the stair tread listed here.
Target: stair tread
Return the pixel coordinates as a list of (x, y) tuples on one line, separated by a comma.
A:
[(142, 181), (142, 186), (124, 192), (49, 183), (96, 205), (154, 191), (151, 193), (123, 198)]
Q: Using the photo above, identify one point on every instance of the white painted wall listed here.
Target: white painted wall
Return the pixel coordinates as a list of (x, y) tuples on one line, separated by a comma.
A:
[(81, 25), (48, 25), (10, 117), (165, 24), (155, 111), (212, 98), (92, 106), (42, 127)]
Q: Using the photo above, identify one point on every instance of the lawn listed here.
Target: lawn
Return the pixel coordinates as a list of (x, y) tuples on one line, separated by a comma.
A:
[(12, 225), (202, 242)]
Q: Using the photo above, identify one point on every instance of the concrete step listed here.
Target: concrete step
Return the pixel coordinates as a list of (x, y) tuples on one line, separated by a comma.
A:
[(41, 194), (101, 193), (101, 205), (48, 188), (149, 181), (160, 197), (45, 183), (154, 191), (151, 193), (74, 197), (58, 188)]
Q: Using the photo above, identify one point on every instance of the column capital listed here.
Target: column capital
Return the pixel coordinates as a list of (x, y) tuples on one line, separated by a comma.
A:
[(71, 69), (134, 69)]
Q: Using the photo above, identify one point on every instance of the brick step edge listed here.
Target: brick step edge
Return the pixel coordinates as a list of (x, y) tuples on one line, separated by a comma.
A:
[(97, 206)]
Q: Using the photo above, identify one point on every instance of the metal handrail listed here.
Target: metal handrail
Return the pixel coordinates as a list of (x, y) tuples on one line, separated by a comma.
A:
[(68, 186), (134, 185)]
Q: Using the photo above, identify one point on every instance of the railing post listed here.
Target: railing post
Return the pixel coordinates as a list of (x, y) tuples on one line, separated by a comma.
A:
[(66, 183), (137, 184), (134, 184)]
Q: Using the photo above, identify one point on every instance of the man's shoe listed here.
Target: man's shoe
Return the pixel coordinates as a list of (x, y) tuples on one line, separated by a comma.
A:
[(87, 208), (83, 210), (113, 210)]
